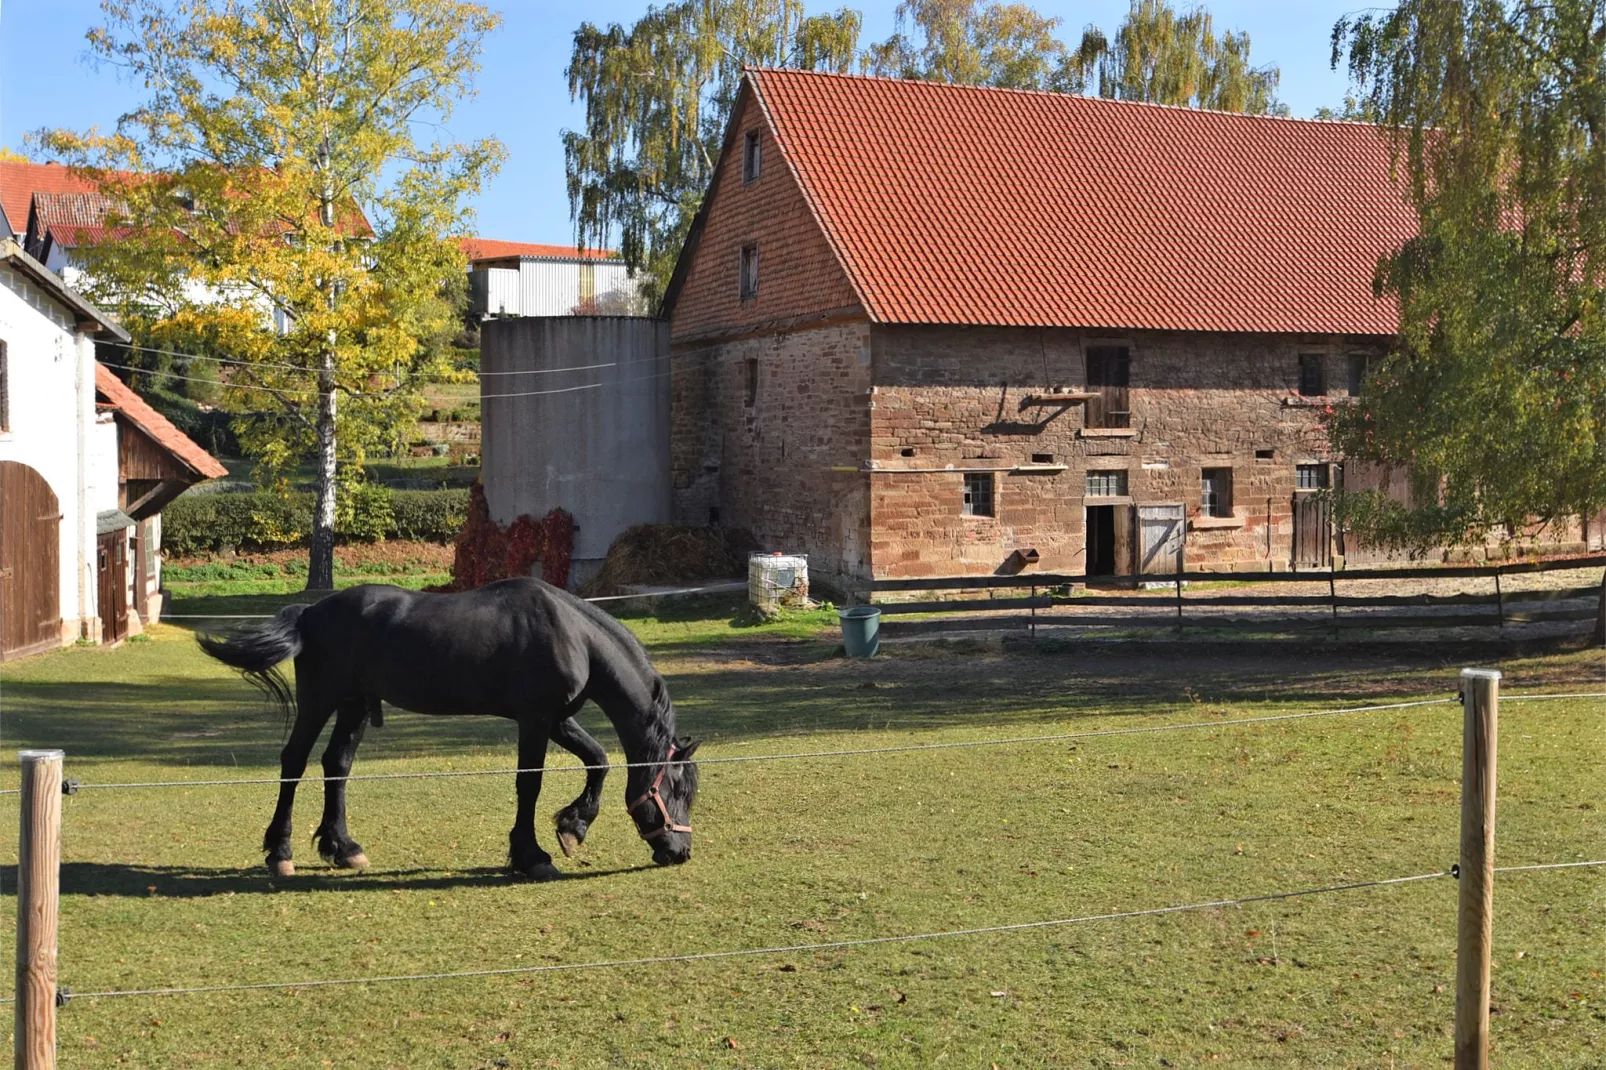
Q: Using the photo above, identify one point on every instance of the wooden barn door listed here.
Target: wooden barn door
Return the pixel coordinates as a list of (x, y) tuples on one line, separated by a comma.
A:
[(1160, 530), (1313, 531), (112, 579), (30, 562)]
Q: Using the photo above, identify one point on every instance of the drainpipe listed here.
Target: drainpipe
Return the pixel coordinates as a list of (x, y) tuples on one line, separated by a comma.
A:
[(85, 562)]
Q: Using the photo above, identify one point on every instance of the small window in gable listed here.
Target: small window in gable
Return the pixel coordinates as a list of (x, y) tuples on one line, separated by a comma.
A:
[(748, 266), (751, 159)]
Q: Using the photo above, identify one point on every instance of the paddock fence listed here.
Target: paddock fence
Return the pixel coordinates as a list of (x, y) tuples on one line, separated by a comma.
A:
[(39, 993), (1057, 603)]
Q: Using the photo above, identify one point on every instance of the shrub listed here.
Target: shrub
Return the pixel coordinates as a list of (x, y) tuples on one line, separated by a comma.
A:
[(428, 515), (198, 523), (363, 512)]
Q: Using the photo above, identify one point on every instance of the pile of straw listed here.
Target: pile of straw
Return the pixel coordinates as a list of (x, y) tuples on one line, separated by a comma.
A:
[(663, 554)]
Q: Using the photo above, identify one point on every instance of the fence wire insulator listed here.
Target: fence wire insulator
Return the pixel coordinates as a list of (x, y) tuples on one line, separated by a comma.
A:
[(63, 995), (69, 785)]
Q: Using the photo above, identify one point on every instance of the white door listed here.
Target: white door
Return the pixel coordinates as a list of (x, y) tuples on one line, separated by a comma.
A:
[(1160, 529)]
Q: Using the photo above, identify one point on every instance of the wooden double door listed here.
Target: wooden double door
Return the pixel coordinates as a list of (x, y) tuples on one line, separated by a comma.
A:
[(30, 562)]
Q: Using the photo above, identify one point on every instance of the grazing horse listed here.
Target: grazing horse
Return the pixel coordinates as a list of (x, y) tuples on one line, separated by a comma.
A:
[(520, 649)]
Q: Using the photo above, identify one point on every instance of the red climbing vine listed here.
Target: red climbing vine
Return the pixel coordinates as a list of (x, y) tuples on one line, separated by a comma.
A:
[(487, 551)]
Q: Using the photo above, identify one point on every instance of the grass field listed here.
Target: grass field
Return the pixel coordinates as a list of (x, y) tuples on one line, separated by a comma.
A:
[(166, 887)]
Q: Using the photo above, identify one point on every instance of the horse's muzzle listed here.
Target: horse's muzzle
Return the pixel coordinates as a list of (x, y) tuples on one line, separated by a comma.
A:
[(671, 858)]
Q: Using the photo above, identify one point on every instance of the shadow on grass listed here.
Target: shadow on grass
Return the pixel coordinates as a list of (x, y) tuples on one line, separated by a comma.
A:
[(200, 882)]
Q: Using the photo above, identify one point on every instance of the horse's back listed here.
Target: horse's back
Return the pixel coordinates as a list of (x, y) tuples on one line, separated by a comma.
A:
[(494, 649)]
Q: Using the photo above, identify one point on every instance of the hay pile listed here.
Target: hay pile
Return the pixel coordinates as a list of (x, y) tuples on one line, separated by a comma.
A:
[(662, 554)]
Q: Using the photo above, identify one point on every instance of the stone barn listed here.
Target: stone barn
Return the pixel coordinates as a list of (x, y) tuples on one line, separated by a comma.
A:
[(934, 330)]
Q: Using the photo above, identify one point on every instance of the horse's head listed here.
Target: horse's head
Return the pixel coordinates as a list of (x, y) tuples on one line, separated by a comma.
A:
[(663, 811)]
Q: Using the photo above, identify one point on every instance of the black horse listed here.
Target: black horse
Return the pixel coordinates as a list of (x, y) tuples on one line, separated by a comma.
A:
[(519, 649)]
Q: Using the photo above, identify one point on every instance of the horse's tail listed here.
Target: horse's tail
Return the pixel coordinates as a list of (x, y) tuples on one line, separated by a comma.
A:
[(258, 651)]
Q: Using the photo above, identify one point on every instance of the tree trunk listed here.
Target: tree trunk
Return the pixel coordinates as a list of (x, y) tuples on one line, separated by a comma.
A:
[(1600, 622), (321, 561)]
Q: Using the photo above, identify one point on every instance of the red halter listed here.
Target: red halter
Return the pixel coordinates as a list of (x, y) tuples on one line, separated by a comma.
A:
[(652, 793)]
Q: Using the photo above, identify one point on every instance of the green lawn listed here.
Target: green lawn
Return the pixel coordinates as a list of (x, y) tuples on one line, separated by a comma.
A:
[(166, 887)]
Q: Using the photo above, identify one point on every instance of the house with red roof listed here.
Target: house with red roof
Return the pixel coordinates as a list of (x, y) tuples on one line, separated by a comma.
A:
[(85, 469), (512, 278), (934, 330)]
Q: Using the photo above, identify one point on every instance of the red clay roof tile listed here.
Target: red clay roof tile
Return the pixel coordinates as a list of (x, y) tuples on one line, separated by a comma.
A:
[(496, 249), (964, 205), (19, 181), (154, 424)]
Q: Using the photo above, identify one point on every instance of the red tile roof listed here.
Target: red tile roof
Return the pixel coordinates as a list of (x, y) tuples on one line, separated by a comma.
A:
[(963, 205), (495, 249), (141, 415), (20, 181)]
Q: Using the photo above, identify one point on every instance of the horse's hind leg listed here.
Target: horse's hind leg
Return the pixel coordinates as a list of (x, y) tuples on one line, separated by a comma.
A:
[(524, 854), (334, 842), (312, 711), (574, 820)]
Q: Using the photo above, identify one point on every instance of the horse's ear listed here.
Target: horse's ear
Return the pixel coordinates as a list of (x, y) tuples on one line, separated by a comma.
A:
[(684, 751)]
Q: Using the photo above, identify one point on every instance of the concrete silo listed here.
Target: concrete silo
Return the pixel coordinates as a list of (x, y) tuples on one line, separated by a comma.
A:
[(575, 415)]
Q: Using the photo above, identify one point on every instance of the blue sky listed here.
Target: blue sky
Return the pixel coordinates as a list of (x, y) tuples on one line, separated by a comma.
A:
[(46, 81)]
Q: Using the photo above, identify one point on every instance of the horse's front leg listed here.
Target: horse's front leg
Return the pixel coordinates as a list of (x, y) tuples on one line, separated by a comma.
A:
[(334, 842), (574, 820), (524, 854)]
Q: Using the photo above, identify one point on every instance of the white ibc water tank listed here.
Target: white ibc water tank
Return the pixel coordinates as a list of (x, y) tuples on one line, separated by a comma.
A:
[(776, 581)]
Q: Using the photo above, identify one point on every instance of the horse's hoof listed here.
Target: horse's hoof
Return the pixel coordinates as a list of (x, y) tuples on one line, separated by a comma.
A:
[(356, 861), (281, 867), (569, 842), (541, 872)]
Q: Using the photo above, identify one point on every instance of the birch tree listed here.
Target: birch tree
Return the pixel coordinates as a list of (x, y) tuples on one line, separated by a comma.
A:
[(273, 201), (1495, 393), (657, 97), (1165, 56)]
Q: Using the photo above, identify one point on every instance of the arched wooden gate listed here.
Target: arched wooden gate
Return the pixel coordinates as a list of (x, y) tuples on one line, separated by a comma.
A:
[(30, 566)]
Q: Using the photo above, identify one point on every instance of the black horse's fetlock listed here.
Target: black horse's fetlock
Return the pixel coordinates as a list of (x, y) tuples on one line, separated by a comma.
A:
[(572, 829), (340, 851)]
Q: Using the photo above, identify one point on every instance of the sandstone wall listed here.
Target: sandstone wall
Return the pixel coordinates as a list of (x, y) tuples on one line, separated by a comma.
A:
[(785, 466), (953, 398)]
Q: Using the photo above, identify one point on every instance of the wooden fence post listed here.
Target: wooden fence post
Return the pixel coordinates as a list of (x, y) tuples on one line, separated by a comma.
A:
[(1479, 740), (38, 892)]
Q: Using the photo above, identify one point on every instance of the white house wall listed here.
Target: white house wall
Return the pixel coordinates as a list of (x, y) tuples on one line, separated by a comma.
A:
[(547, 287), (52, 406)]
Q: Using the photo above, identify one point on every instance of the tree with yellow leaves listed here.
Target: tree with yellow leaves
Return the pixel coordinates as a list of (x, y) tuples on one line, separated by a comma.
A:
[(271, 202)]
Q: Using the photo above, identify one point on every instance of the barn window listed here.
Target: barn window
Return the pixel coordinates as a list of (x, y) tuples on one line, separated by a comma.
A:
[(1107, 483), (5, 390), (750, 157), (1108, 374), (748, 265), (1312, 374), (1310, 477), (1215, 487), (752, 382), (1358, 363), (978, 494)]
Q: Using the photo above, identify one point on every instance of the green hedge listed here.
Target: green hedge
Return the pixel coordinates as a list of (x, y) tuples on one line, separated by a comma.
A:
[(196, 523)]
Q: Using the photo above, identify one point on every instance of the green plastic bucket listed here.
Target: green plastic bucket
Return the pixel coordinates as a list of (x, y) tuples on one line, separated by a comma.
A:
[(861, 631)]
